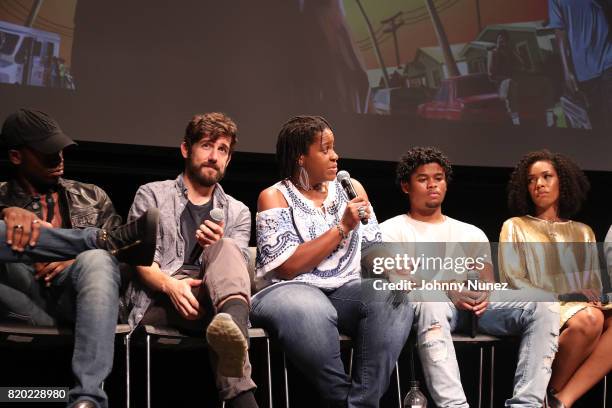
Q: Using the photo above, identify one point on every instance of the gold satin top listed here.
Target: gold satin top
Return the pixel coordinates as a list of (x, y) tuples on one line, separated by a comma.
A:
[(548, 255)]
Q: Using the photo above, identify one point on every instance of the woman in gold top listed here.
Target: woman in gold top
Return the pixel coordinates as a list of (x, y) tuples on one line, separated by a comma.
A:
[(544, 249)]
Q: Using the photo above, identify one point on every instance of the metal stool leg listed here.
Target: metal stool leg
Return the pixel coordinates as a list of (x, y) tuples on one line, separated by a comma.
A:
[(126, 341), (480, 378), (492, 382), (605, 391), (269, 372), (286, 381), (148, 371), (350, 371), (399, 388)]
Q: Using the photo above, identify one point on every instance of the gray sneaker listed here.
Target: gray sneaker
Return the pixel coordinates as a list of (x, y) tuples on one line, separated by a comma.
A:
[(226, 339)]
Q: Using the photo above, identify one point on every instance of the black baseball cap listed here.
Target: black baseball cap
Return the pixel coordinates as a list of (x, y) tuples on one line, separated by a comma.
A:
[(34, 129)]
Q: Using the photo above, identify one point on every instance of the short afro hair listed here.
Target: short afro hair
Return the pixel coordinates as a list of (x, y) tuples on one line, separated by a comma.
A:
[(573, 184), (418, 156)]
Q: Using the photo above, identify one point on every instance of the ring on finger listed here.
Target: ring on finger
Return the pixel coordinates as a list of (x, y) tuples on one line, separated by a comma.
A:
[(35, 222), (361, 210), (18, 226)]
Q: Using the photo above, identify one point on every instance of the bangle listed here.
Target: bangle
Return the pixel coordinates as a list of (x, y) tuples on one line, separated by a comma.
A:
[(343, 235)]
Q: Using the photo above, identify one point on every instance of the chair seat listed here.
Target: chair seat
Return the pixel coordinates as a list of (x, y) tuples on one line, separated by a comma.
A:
[(22, 333), (171, 337), (480, 338)]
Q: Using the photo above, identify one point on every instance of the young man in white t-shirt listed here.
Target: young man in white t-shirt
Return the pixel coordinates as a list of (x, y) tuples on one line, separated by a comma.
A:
[(423, 175)]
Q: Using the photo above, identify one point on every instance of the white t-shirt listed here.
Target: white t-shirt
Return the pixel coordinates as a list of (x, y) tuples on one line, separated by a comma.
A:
[(459, 239)]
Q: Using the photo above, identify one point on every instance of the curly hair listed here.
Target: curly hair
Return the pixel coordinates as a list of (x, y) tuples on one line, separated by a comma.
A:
[(213, 125), (294, 139), (418, 156), (573, 184)]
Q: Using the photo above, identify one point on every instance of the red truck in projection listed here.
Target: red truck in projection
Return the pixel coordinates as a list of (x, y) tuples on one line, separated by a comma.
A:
[(471, 97)]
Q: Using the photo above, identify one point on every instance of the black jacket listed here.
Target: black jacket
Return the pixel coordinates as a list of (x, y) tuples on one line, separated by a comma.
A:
[(81, 205)]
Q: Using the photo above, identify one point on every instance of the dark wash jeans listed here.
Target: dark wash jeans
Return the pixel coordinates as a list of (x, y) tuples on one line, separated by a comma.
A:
[(54, 244), (307, 322), (86, 294)]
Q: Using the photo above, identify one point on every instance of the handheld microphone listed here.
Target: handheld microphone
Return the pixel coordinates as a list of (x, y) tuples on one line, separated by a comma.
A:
[(217, 216), (473, 276), (344, 178)]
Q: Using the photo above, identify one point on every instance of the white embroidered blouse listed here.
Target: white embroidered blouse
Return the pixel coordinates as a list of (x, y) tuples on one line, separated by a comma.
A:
[(281, 230)]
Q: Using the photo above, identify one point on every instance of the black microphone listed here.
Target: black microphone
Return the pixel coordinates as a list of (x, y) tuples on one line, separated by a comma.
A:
[(344, 178), (473, 276), (217, 216)]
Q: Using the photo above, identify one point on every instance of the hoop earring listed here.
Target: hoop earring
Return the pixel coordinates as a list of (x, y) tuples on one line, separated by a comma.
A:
[(303, 179)]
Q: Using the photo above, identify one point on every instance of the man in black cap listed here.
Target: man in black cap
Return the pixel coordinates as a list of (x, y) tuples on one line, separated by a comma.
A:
[(83, 291)]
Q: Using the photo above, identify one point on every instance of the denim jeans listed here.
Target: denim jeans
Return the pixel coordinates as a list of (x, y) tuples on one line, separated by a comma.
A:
[(86, 294), (307, 322), (54, 244), (536, 322), (599, 95)]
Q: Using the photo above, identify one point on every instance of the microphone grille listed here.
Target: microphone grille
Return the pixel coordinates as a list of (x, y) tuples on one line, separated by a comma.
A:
[(472, 274), (217, 214), (343, 175)]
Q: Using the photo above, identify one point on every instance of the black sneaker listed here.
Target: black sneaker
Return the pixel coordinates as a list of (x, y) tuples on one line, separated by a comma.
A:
[(134, 242)]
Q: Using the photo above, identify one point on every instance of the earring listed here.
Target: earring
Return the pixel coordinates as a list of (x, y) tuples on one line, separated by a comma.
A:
[(303, 179)]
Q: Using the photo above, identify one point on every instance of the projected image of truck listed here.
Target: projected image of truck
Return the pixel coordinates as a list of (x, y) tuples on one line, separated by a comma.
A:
[(36, 43)]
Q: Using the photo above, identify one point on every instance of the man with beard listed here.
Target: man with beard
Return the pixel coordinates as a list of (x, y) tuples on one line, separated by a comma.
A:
[(200, 265), (84, 291)]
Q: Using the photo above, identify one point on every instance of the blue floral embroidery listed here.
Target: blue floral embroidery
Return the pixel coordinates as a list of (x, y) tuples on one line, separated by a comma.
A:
[(281, 230)]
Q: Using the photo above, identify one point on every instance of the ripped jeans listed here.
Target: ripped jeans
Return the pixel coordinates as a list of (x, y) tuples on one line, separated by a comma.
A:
[(536, 322)]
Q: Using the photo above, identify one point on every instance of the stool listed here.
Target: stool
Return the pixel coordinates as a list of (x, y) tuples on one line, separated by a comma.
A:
[(171, 338), (342, 338), (21, 334)]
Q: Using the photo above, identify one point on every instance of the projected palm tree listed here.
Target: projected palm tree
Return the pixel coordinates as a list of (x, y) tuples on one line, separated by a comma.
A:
[(379, 57), (451, 65), (33, 13), (414, 15)]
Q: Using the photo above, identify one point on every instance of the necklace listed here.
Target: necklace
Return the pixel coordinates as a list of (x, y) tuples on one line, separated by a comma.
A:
[(550, 226), (550, 229), (321, 187)]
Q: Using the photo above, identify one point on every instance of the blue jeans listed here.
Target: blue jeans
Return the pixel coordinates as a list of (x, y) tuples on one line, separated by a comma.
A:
[(54, 244), (536, 322), (307, 322), (599, 95), (85, 294)]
